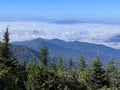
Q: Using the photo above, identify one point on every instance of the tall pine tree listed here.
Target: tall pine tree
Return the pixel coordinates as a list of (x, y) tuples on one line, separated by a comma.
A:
[(82, 71), (113, 72), (6, 57), (44, 56), (60, 66), (7, 64), (97, 77), (70, 64)]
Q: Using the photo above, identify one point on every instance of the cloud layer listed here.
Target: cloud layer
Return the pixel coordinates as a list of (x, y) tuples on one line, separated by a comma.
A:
[(85, 32)]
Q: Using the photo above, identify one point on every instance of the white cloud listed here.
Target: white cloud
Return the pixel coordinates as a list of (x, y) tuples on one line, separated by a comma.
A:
[(85, 32)]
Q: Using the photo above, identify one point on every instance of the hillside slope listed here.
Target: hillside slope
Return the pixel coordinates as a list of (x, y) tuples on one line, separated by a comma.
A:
[(72, 49)]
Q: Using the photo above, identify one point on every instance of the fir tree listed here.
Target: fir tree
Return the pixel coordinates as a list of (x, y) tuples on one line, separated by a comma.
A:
[(41, 77), (6, 57), (82, 64), (60, 65), (113, 72), (82, 71), (71, 72), (33, 76), (44, 56), (7, 83), (7, 63), (19, 74), (70, 64), (97, 77)]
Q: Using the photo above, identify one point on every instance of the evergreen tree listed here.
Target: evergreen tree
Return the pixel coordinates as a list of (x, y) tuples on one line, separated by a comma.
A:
[(70, 64), (70, 70), (51, 65), (97, 77), (82, 64), (33, 76), (113, 72), (15, 71), (41, 77), (60, 66), (49, 76), (82, 71), (19, 74), (44, 56), (7, 83), (7, 63), (60, 80), (6, 57)]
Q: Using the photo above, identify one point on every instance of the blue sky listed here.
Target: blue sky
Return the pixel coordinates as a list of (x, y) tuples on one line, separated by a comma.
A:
[(61, 8)]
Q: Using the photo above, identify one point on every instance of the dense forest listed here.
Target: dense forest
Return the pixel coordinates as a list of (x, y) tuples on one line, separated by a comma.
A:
[(43, 74)]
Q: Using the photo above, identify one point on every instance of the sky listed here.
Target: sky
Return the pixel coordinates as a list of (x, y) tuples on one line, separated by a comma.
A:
[(89, 9)]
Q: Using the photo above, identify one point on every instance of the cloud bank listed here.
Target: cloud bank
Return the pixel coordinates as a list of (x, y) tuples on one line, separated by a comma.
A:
[(84, 32)]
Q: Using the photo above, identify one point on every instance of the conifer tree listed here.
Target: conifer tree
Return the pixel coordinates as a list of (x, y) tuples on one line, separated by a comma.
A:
[(82, 71), (41, 77), (44, 56), (15, 70), (33, 80), (19, 74), (113, 72), (6, 58), (82, 64), (71, 72), (60, 81), (97, 77), (51, 66), (60, 65), (70, 64), (7, 63), (7, 83)]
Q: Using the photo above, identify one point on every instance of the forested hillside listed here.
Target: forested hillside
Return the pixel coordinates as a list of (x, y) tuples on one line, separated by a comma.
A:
[(17, 75), (23, 53), (75, 49)]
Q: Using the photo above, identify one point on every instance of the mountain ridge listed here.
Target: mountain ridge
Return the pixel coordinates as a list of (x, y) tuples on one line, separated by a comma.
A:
[(74, 49)]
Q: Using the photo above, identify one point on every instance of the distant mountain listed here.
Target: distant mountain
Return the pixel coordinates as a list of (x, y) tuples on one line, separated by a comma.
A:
[(67, 21), (72, 49), (23, 53), (83, 20), (114, 39)]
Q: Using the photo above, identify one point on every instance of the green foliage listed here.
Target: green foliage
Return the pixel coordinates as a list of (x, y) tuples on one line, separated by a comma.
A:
[(82, 76), (7, 83), (44, 56), (19, 74), (82, 71), (41, 77), (6, 58), (33, 77), (114, 75), (70, 64), (60, 67), (97, 77), (82, 64), (13, 78)]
